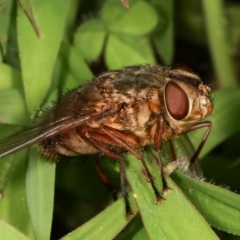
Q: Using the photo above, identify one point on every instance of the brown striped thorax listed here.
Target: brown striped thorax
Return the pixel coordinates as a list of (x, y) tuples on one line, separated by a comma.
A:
[(135, 104)]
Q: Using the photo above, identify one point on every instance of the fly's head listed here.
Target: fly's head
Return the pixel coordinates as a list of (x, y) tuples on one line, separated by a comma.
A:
[(186, 98)]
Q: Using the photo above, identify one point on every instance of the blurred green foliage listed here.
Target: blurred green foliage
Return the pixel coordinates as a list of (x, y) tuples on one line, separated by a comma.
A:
[(47, 47)]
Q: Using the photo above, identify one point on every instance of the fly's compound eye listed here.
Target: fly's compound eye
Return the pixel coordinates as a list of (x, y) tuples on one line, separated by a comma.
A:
[(176, 101)]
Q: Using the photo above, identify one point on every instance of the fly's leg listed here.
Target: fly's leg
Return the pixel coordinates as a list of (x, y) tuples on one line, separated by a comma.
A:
[(158, 135), (174, 160), (106, 181), (206, 124), (158, 140), (119, 158), (120, 139)]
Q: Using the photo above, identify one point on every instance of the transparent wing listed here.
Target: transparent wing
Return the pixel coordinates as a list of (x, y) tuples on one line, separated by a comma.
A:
[(38, 133)]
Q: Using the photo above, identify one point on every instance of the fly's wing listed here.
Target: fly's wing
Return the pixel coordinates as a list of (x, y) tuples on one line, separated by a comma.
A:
[(36, 134)]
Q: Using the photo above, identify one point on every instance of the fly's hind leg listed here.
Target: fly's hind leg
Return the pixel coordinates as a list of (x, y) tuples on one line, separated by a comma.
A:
[(106, 180), (94, 139)]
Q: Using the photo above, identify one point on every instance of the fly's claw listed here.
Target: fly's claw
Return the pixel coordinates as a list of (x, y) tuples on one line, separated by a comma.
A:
[(160, 199), (167, 190), (130, 215)]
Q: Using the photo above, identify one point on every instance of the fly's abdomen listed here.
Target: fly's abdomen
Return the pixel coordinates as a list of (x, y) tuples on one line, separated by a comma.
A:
[(68, 144)]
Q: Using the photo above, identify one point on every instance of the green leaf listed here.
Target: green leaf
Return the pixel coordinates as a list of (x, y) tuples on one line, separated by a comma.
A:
[(13, 205), (39, 53), (10, 233), (233, 15), (5, 22), (10, 77), (89, 39), (40, 194), (75, 63), (219, 206), (169, 219), (73, 13), (218, 43), (112, 11), (12, 108), (225, 118), (105, 225), (130, 22), (27, 8), (134, 230), (123, 50), (163, 36)]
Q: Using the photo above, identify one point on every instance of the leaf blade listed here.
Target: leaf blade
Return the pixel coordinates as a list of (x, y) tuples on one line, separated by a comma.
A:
[(38, 54), (40, 180), (169, 219)]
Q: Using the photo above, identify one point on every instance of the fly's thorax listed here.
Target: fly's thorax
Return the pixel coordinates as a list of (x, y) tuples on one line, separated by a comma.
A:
[(131, 81), (186, 98)]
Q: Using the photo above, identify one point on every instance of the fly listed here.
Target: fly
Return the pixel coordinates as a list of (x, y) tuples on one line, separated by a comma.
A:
[(122, 110)]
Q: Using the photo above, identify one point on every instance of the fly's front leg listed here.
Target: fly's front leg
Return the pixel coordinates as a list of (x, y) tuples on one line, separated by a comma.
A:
[(206, 124)]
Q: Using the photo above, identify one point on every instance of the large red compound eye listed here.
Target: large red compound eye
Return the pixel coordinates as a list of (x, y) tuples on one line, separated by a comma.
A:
[(176, 101)]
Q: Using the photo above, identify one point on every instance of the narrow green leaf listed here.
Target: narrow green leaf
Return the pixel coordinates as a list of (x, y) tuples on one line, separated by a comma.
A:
[(39, 53), (74, 61), (225, 118), (219, 206), (218, 43), (73, 14), (10, 233), (5, 21), (13, 204), (170, 219), (89, 39), (233, 15), (40, 194), (134, 230), (10, 77), (70, 82), (123, 50), (105, 225), (27, 8), (163, 36), (13, 109)]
